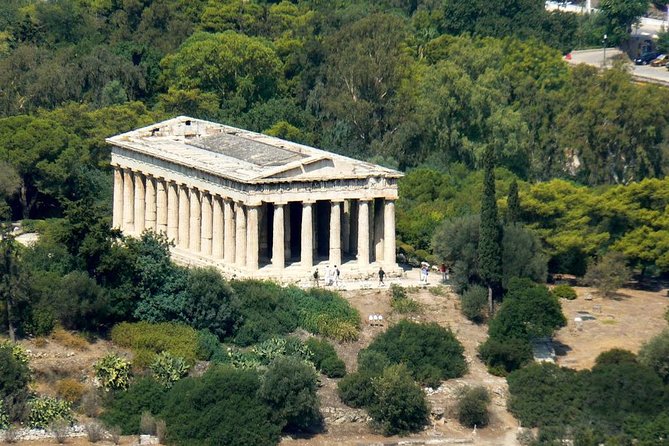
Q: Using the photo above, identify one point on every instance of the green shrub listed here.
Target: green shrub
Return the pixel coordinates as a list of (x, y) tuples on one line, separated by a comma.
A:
[(616, 356), (401, 302), (46, 410), (42, 321), (168, 369), (563, 292), (505, 356), (333, 367), (147, 339), (267, 311), (432, 353), (655, 354), (356, 390), (472, 407), (211, 304), (125, 408), (529, 311), (269, 350), (4, 416), (474, 302), (289, 389), (401, 406), (320, 350), (18, 352), (208, 345), (326, 313), (14, 379), (398, 292), (221, 407), (372, 362), (113, 372)]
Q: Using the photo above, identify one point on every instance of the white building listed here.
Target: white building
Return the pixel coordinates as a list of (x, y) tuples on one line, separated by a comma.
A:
[(251, 204)]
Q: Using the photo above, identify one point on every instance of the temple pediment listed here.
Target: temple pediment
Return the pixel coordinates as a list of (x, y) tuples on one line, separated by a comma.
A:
[(242, 155)]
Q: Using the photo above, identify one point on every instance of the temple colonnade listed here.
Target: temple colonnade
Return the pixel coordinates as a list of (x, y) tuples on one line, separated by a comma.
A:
[(249, 236)]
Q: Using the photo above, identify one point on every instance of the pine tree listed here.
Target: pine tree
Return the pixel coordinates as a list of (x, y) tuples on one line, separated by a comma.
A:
[(490, 232), (513, 204)]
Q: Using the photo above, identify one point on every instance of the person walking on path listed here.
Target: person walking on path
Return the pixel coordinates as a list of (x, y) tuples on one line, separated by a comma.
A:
[(382, 274), (336, 276)]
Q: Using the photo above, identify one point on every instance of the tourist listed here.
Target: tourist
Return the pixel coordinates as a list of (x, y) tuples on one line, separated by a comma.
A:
[(382, 274), (336, 276), (316, 278)]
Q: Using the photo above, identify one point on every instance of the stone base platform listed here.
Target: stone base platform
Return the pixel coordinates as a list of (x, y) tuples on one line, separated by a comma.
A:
[(293, 273)]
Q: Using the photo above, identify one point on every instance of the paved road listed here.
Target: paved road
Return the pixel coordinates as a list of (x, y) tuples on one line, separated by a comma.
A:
[(641, 73)]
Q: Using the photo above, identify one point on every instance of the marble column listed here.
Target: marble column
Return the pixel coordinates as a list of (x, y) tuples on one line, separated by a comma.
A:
[(389, 254), (150, 213), (207, 222), (217, 227), (195, 233), (128, 202), (118, 198), (172, 212), (240, 234), (346, 228), (252, 234), (378, 229), (184, 217), (140, 203), (228, 232), (287, 233), (307, 242), (161, 206), (363, 233), (335, 233), (353, 240), (278, 246)]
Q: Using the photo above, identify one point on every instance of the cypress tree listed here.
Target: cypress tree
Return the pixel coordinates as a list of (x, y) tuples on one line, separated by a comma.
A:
[(513, 204), (490, 232)]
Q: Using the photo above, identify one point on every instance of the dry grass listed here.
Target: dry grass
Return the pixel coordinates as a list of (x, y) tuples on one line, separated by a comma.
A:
[(70, 390), (69, 340)]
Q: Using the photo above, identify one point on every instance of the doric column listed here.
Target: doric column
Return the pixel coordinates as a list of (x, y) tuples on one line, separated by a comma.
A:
[(307, 242), (287, 233), (217, 227), (335, 233), (128, 202), (353, 240), (229, 234), (378, 229), (150, 216), (140, 203), (184, 216), (278, 248), (118, 198), (363, 233), (240, 234), (161, 206), (173, 212), (389, 255), (194, 236), (252, 234), (346, 227), (206, 224)]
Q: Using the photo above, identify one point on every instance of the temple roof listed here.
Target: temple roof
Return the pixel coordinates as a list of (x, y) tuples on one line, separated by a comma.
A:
[(242, 155)]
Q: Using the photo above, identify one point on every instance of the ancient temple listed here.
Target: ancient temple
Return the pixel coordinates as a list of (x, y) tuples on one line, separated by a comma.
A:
[(251, 204)]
